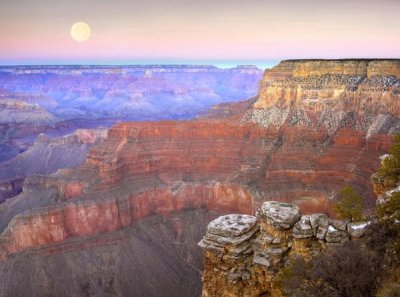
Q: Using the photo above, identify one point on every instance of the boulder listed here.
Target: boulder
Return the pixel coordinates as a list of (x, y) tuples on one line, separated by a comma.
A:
[(230, 235), (357, 230), (334, 235), (319, 223), (280, 216), (340, 225), (232, 225), (303, 229)]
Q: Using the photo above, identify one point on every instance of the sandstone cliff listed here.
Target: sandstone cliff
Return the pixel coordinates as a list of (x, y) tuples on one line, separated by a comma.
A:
[(359, 86), (329, 118)]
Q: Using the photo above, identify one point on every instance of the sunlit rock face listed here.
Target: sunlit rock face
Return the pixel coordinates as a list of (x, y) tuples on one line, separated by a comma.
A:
[(331, 119), (142, 169), (360, 86), (174, 172)]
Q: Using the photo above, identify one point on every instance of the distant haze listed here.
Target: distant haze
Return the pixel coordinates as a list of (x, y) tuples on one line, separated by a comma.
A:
[(223, 33)]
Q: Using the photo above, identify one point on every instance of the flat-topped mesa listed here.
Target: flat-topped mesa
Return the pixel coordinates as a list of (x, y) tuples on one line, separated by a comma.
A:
[(314, 67), (361, 86), (243, 254)]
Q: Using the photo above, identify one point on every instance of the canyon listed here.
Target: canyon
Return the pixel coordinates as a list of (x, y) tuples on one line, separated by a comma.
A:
[(59, 100), (147, 92), (145, 193)]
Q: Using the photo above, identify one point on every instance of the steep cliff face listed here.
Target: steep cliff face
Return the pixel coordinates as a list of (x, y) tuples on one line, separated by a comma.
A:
[(362, 87), (332, 118), (243, 255), (279, 150), (188, 151), (142, 169), (158, 256)]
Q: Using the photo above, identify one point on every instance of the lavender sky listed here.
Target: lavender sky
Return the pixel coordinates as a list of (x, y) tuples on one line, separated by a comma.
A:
[(221, 32)]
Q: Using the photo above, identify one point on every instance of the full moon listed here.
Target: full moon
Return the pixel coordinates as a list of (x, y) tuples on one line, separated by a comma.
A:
[(80, 31)]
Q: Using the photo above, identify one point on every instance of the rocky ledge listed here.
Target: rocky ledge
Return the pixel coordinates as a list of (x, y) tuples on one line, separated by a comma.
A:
[(243, 254)]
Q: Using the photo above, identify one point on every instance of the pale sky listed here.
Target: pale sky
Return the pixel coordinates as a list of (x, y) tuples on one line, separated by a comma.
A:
[(207, 31)]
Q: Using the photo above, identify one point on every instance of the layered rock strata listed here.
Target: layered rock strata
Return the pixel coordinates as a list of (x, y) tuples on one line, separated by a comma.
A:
[(361, 86), (158, 256), (293, 158), (46, 156), (330, 115), (289, 153), (243, 255)]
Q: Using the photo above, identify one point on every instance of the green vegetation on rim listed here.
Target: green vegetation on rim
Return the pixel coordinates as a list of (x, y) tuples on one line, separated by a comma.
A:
[(350, 205)]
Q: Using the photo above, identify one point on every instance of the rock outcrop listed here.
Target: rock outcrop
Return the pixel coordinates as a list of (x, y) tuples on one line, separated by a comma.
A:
[(243, 255), (230, 235)]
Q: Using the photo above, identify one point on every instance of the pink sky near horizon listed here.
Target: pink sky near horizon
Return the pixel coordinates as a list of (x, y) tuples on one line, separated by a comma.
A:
[(34, 31)]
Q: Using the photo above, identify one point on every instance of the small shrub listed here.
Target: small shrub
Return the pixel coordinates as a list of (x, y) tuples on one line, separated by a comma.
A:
[(350, 205), (390, 168), (347, 271)]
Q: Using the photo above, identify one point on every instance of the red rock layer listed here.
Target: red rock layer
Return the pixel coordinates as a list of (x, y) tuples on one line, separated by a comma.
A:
[(306, 167), (310, 168), (178, 151), (93, 216)]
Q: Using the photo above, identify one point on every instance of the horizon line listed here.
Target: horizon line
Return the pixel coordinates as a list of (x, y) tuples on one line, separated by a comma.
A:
[(217, 64)]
